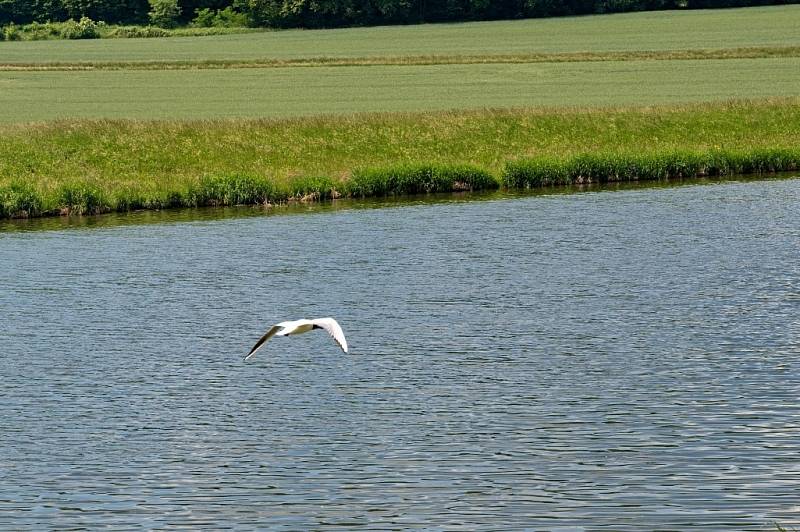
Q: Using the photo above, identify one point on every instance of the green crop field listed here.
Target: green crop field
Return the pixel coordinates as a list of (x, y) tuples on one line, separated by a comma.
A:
[(665, 30), (279, 92), (627, 59)]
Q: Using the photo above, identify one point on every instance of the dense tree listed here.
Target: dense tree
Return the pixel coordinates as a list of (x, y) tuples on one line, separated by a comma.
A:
[(334, 13), (107, 10), (164, 13), (189, 8)]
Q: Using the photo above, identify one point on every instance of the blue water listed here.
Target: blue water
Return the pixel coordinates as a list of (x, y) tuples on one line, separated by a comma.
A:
[(623, 360)]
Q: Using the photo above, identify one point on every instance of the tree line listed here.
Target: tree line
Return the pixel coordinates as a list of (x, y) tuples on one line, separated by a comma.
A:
[(330, 13)]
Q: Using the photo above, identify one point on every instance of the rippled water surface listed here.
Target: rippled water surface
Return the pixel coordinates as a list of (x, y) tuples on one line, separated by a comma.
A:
[(622, 360)]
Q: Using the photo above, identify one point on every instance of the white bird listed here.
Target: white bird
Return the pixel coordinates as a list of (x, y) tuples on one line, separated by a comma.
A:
[(289, 328)]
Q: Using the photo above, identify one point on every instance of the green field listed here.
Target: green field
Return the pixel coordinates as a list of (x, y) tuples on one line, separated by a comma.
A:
[(648, 95), (627, 59), (283, 92), (661, 30)]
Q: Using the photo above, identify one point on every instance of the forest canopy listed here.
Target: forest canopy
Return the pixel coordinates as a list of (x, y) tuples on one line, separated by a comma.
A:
[(329, 13)]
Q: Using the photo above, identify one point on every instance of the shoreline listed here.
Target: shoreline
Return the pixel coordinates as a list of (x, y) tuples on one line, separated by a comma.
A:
[(291, 208), (93, 167), (522, 175)]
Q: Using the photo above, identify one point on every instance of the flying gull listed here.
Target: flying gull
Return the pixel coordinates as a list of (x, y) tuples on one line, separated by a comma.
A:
[(290, 328)]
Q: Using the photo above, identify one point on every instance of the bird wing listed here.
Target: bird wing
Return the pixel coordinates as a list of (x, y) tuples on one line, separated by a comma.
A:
[(269, 334), (333, 328)]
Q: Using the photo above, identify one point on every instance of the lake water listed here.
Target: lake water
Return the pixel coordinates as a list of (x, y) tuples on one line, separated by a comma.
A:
[(624, 360)]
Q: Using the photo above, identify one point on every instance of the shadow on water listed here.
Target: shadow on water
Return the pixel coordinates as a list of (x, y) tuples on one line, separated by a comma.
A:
[(209, 214)]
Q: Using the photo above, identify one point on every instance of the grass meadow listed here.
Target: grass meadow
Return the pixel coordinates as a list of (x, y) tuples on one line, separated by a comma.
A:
[(100, 166), (287, 92), (114, 125)]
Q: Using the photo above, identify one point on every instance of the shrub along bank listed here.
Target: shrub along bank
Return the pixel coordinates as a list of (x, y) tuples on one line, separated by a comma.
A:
[(611, 167)]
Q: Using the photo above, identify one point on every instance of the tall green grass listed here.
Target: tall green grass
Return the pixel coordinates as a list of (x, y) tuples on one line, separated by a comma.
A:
[(417, 179), (611, 167), (84, 167), (21, 200)]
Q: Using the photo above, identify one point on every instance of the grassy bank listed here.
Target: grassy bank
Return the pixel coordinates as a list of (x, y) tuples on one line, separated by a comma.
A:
[(102, 166), (615, 167)]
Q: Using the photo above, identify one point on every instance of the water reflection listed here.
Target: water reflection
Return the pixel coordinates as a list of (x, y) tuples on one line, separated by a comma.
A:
[(208, 214)]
